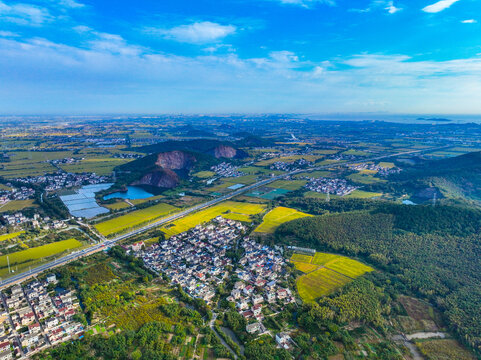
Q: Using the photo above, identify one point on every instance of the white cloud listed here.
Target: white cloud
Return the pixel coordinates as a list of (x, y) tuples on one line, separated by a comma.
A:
[(82, 29), (8, 34), (196, 33), (439, 6), (379, 4), (307, 3), (469, 21), (109, 74), (391, 9), (24, 14), (71, 4), (114, 44)]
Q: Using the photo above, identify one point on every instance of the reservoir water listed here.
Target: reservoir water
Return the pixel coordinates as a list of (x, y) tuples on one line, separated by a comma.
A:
[(132, 193)]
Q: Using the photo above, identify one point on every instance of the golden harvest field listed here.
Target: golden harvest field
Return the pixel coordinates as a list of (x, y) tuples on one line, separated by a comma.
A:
[(276, 217), (134, 218), (325, 273), (239, 211)]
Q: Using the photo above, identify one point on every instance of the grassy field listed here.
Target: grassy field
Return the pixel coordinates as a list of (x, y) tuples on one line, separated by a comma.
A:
[(100, 166), (229, 209), (289, 159), (5, 187), (134, 218), (276, 217), (356, 153), (254, 170), (288, 184), (388, 165), (364, 179), (356, 194), (117, 205), (21, 260), (204, 174), (16, 205), (445, 349), (325, 273), (359, 194), (11, 235), (314, 174)]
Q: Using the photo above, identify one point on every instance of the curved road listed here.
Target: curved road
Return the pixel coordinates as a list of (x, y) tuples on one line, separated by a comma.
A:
[(107, 243)]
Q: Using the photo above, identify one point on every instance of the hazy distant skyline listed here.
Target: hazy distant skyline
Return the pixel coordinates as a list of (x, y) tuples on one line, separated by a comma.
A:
[(301, 56)]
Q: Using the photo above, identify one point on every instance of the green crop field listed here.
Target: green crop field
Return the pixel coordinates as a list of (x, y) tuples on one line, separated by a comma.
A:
[(11, 235), (325, 273), (288, 184), (229, 209), (21, 260), (134, 218), (16, 205), (276, 217)]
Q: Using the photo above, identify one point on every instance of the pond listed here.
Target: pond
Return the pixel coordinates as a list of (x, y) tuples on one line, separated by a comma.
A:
[(132, 193)]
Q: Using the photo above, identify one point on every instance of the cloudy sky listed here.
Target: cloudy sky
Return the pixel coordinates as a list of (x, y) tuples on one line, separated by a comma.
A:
[(211, 56)]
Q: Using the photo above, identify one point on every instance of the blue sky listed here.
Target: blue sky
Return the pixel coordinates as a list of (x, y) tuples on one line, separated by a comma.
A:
[(248, 56)]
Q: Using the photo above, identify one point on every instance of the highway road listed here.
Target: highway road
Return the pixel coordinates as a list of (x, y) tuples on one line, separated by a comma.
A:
[(108, 243)]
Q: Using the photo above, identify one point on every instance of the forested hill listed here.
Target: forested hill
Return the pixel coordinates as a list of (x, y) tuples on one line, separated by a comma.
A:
[(462, 173), (434, 252)]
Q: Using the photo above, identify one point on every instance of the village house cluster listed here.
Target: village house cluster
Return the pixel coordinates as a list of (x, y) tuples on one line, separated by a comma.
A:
[(261, 272), (63, 180), (65, 161), (284, 153), (290, 166), (381, 170), (338, 187), (196, 259), (22, 193), (226, 170), (127, 156), (33, 318), (36, 221)]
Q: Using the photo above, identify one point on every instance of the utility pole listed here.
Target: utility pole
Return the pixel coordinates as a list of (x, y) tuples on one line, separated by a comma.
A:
[(328, 197), (8, 262), (434, 198)]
